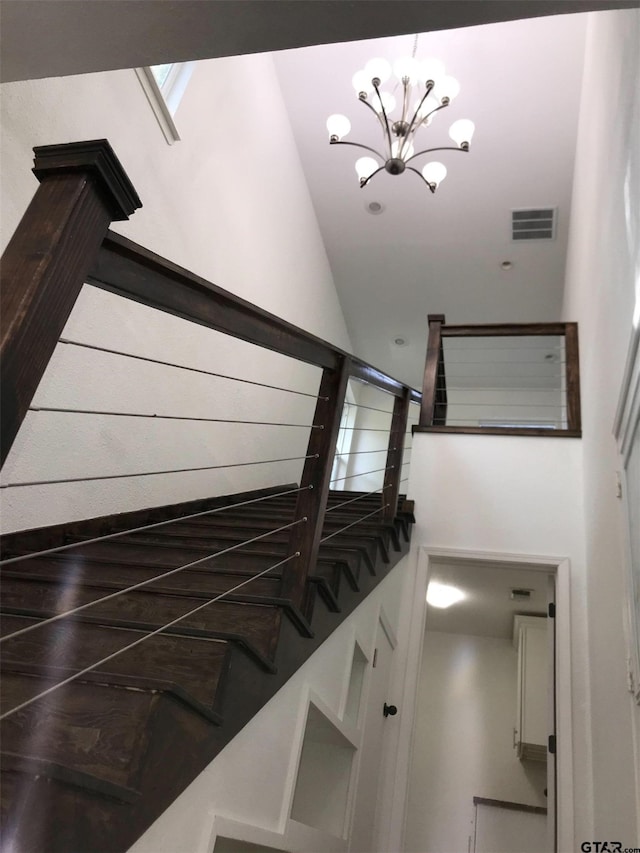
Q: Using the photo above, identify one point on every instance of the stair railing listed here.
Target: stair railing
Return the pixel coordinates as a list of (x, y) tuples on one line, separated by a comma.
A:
[(507, 379), (63, 243)]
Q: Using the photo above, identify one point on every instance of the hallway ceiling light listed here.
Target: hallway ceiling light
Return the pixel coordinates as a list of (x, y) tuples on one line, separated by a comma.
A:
[(443, 595), (425, 90)]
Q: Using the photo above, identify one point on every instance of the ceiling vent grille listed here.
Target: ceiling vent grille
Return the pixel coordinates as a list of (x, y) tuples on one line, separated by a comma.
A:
[(533, 224)]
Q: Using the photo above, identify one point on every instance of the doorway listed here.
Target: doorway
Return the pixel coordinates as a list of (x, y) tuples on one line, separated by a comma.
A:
[(464, 760)]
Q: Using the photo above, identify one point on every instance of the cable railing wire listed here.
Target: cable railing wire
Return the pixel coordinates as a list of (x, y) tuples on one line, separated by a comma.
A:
[(501, 405), (140, 640), (155, 416), (358, 452), (191, 369), (154, 473), (360, 474), (353, 523), (453, 361), (505, 421), (449, 348), (47, 551), (366, 429), (485, 388), (146, 582), (371, 408), (359, 498)]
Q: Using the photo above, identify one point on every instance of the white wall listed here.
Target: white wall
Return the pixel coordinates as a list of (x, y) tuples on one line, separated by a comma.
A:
[(523, 496), (261, 760), (230, 202), (463, 740), (602, 284), (370, 440)]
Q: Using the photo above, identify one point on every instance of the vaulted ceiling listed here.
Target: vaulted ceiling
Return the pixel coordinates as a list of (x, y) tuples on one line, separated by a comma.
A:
[(442, 253)]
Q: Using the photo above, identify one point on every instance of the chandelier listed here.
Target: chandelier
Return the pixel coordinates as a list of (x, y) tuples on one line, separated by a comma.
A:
[(425, 91)]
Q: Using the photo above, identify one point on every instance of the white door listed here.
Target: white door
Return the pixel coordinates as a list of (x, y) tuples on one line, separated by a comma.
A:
[(364, 828)]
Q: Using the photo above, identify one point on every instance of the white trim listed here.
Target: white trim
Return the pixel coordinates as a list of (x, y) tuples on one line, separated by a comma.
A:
[(387, 627), (564, 724), (629, 400), (626, 423), (158, 104), (228, 828)]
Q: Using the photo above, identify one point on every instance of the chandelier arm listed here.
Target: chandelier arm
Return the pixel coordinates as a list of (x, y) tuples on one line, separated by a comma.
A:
[(420, 175), (358, 145), (372, 175), (441, 107), (413, 127), (386, 120), (375, 112), (441, 148)]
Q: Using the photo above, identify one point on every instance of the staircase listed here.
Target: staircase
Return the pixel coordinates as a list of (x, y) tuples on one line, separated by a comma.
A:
[(91, 765)]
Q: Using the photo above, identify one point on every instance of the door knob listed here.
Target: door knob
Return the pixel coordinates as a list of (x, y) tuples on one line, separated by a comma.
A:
[(389, 710)]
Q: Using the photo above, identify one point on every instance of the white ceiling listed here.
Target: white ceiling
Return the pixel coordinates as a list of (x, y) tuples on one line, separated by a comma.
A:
[(487, 609), (441, 253)]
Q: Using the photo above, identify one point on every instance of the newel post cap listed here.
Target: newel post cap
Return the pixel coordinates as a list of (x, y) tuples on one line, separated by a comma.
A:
[(97, 158)]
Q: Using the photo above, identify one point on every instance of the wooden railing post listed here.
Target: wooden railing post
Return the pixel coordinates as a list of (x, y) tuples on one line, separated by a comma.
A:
[(82, 189), (393, 474), (428, 409), (572, 368), (312, 502)]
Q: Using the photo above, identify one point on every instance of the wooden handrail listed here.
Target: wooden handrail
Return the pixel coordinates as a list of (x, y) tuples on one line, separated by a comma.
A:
[(62, 242), (134, 272), (496, 330), (433, 410)]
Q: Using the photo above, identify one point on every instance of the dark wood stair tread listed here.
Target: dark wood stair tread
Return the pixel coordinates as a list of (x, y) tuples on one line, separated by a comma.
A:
[(257, 623), (231, 655), (195, 665)]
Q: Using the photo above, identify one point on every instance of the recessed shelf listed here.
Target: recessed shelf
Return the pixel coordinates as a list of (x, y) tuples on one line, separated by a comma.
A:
[(324, 773)]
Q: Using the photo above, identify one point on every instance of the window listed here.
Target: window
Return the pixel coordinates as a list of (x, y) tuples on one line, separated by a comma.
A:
[(164, 86)]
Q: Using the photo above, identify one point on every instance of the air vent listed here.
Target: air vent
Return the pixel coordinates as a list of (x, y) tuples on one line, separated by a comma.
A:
[(520, 594), (533, 224)]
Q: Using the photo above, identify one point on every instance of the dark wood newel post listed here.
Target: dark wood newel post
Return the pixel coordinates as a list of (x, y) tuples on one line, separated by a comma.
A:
[(393, 474), (312, 503), (572, 367), (83, 188), (430, 385)]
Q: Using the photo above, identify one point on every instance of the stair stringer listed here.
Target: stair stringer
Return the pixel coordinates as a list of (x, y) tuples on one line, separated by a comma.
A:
[(251, 781)]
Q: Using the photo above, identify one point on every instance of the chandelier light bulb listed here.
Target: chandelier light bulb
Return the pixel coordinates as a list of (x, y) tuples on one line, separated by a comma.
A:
[(434, 173), (379, 68), (431, 69), (338, 125), (362, 82), (365, 167), (461, 132), (388, 102), (406, 67), (448, 88)]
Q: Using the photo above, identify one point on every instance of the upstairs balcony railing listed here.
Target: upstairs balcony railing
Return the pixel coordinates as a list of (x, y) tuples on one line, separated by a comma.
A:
[(515, 379), (175, 389)]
